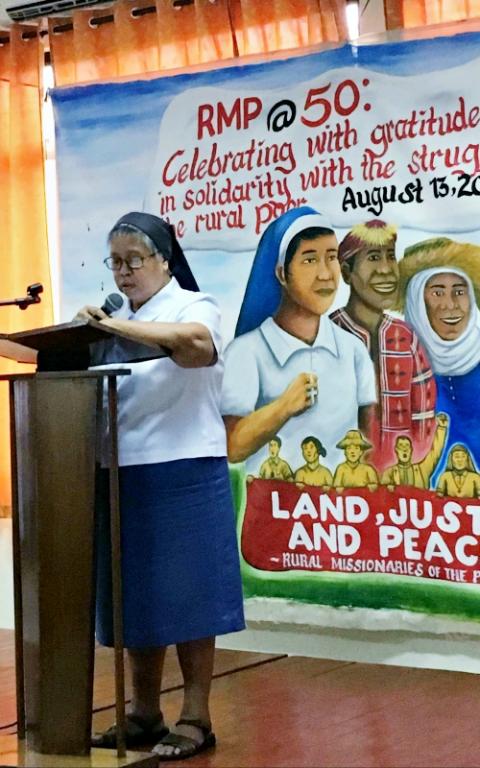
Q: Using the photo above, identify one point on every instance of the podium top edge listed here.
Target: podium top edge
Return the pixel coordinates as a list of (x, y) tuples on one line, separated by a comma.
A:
[(98, 374), (64, 334)]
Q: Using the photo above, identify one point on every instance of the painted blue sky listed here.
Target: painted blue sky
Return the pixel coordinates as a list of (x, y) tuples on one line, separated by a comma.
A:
[(107, 140)]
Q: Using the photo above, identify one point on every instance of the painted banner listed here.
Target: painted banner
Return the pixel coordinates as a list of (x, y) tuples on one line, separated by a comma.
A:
[(420, 532), (248, 156), (330, 203)]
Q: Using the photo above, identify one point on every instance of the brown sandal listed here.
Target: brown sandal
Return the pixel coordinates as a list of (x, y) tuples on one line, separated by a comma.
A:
[(138, 732), (184, 746)]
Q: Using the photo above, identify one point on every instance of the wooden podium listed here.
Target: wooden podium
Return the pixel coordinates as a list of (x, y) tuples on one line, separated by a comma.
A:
[(56, 426)]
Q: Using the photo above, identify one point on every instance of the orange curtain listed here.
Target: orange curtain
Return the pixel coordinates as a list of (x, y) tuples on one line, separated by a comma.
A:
[(193, 34), (418, 13), (282, 24), (128, 39), (128, 43), (22, 212)]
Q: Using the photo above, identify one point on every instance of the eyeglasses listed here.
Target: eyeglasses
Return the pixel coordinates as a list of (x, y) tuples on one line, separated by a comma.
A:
[(135, 261)]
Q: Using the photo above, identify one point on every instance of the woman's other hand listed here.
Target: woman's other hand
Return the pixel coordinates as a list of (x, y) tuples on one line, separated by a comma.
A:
[(90, 313)]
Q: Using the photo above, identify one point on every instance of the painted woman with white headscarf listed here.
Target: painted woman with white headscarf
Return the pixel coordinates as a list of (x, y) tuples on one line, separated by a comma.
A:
[(441, 282), (291, 370)]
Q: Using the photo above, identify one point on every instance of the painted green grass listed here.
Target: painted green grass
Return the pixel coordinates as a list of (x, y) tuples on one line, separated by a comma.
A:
[(362, 590)]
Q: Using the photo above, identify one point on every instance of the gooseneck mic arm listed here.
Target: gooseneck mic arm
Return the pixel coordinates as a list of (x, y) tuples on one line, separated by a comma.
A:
[(32, 297)]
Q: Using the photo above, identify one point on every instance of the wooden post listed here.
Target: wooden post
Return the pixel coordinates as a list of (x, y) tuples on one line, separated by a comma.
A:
[(116, 569)]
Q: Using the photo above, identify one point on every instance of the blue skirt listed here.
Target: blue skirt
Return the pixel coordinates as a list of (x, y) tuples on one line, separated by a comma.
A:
[(180, 564)]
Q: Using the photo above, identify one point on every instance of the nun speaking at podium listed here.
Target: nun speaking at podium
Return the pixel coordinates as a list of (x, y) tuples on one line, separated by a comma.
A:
[(180, 565)]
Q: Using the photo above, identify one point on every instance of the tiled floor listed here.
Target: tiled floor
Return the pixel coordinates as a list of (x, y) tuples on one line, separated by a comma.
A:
[(293, 711)]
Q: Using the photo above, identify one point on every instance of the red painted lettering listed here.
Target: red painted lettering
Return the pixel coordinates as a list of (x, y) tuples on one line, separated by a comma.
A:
[(204, 121), (252, 107), (168, 181)]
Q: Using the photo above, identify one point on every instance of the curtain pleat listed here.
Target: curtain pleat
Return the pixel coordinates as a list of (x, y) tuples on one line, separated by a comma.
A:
[(23, 221), (284, 24), (94, 46), (136, 37), (214, 31), (62, 55), (193, 34), (417, 13)]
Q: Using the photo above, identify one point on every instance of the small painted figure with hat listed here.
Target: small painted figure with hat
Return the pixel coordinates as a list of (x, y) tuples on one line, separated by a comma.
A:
[(405, 385), (354, 473)]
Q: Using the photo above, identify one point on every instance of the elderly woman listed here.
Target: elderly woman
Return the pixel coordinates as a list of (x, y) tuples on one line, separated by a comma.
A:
[(180, 567), (441, 286), (291, 370), (461, 479)]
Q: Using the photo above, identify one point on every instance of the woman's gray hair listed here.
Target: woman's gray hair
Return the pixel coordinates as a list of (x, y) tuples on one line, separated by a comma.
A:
[(122, 230)]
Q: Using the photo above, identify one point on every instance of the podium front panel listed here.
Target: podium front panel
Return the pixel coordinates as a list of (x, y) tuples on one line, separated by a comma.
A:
[(55, 425)]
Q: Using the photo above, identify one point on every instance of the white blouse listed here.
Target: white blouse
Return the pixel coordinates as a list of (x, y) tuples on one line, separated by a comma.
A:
[(166, 412)]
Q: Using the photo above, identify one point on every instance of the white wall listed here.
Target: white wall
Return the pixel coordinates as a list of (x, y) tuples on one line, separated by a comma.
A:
[(395, 637), (6, 575)]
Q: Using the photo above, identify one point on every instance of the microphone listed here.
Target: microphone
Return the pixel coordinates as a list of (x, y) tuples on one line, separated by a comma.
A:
[(113, 302)]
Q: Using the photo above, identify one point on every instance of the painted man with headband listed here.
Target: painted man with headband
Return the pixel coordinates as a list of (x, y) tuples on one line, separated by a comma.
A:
[(405, 385), (290, 370)]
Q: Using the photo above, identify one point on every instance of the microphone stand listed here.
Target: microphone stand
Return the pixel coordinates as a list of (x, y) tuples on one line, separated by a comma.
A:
[(32, 297)]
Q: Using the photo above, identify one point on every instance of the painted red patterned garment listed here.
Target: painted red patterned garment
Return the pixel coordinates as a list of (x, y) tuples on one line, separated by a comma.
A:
[(405, 387)]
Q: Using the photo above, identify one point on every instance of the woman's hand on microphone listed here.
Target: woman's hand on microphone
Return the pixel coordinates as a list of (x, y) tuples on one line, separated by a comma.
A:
[(90, 313)]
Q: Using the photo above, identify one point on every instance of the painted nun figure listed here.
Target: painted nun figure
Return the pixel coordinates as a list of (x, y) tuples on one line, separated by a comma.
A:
[(441, 286), (288, 358)]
